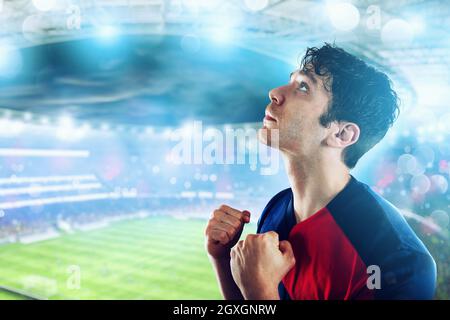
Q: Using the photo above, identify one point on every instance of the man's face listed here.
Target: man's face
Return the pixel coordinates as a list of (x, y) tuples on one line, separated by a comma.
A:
[(295, 110)]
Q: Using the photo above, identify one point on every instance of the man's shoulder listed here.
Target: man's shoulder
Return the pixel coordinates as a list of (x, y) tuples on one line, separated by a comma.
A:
[(367, 217), (382, 237)]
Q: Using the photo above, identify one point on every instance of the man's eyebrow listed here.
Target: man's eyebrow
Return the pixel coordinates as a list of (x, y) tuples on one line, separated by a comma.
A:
[(307, 74)]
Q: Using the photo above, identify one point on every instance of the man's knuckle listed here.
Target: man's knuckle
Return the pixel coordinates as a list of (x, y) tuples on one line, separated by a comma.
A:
[(236, 223), (250, 237), (217, 214)]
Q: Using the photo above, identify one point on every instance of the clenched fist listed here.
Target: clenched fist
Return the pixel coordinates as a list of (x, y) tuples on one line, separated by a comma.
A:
[(224, 230), (259, 263)]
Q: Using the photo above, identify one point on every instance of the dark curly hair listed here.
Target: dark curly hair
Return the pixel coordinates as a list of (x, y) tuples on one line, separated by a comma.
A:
[(359, 93)]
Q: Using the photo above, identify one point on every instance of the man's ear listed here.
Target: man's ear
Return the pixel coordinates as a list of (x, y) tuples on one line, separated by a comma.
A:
[(343, 134)]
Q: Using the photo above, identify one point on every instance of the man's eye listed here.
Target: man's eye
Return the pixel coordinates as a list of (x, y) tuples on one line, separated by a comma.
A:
[(303, 87)]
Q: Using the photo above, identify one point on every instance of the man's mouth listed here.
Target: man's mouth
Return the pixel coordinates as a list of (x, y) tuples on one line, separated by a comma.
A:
[(269, 118)]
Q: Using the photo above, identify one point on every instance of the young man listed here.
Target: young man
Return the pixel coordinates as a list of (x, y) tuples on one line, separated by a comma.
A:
[(329, 236)]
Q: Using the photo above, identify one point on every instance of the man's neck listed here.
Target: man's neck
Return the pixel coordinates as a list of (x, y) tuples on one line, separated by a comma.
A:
[(314, 184)]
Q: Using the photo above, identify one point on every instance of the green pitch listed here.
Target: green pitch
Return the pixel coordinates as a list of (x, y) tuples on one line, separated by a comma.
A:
[(152, 258)]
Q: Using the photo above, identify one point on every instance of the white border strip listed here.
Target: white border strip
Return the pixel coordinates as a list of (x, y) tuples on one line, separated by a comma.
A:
[(17, 180), (78, 198), (6, 152), (54, 188)]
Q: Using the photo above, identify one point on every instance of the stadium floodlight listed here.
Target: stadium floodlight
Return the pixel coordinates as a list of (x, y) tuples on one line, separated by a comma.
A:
[(44, 120), (221, 34), (10, 60), (344, 16), (85, 127), (12, 152), (65, 127), (439, 138), (431, 94), (256, 5), (149, 130), (187, 129), (417, 23), (129, 193), (27, 116), (397, 32), (188, 194), (224, 195), (167, 134), (205, 195), (67, 130), (66, 121), (197, 5), (155, 169), (107, 32), (11, 127), (44, 5)]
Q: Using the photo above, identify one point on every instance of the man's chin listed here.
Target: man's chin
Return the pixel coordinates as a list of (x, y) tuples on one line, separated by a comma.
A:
[(268, 136)]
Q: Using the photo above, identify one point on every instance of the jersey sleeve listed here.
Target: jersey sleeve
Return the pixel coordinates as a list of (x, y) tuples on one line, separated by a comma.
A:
[(268, 208), (272, 204), (407, 275)]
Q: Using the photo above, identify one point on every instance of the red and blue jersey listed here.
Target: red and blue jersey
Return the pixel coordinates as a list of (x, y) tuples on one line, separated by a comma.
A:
[(345, 243)]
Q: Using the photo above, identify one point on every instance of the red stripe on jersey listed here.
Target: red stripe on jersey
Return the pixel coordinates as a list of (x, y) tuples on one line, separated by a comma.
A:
[(327, 265)]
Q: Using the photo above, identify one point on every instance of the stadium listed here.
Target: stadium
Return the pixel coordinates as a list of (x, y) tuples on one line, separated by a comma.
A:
[(120, 124)]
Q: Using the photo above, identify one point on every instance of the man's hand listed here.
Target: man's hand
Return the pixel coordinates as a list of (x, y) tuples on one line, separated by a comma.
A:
[(259, 263), (224, 230)]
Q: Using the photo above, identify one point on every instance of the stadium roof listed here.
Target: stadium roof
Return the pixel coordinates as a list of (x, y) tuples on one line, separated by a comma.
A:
[(162, 62)]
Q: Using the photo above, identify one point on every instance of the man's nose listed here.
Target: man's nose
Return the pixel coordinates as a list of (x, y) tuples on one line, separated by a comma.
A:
[(276, 96)]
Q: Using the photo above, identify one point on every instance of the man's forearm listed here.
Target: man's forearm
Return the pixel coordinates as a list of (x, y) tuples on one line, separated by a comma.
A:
[(230, 291)]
